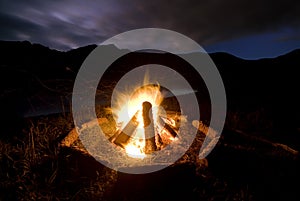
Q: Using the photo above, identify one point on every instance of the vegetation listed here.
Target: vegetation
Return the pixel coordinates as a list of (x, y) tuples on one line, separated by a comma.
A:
[(33, 166)]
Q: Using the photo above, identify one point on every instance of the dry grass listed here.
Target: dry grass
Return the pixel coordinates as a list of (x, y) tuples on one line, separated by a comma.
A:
[(33, 166)]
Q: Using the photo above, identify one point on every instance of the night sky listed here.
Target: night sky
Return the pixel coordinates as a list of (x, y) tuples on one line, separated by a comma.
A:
[(248, 29)]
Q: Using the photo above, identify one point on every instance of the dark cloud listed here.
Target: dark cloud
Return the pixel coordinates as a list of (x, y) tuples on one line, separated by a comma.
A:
[(12, 25), (210, 21), (66, 24)]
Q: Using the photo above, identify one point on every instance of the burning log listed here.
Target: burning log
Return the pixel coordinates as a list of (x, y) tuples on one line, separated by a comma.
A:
[(150, 144), (124, 136), (166, 126)]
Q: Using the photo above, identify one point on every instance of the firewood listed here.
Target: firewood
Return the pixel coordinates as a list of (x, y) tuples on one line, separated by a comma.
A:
[(124, 136), (167, 127), (150, 144)]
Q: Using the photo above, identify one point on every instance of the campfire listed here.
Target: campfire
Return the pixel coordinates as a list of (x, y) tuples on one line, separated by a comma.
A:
[(144, 122)]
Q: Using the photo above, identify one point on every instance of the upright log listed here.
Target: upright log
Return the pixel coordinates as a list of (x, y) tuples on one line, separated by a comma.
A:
[(150, 145)]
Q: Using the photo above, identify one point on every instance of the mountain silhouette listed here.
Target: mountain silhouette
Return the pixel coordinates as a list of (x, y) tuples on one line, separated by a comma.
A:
[(36, 80)]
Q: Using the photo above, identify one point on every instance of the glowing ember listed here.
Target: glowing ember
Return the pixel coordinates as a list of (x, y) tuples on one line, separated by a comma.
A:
[(135, 151)]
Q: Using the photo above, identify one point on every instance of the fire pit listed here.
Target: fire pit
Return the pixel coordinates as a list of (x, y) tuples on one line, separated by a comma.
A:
[(142, 131), (143, 125)]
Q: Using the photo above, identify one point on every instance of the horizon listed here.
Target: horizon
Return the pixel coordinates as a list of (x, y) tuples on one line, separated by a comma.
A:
[(209, 52)]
